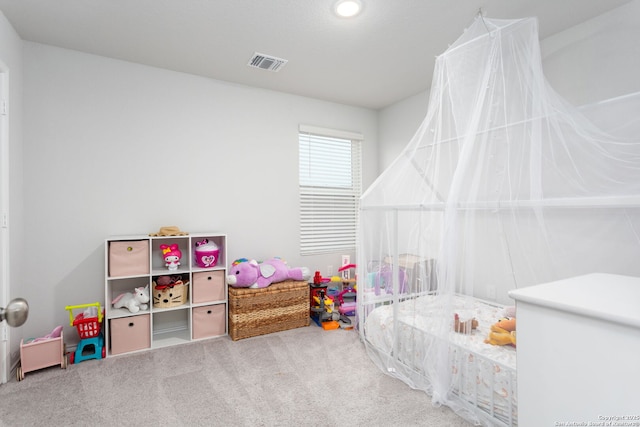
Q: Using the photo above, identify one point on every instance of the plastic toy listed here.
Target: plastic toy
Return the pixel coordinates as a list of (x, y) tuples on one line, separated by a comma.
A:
[(330, 325), (347, 301), (327, 303), (345, 322), (134, 301), (345, 271), (42, 352), (318, 279), (322, 307), (464, 326), (89, 326), (171, 255), (246, 273), (503, 332)]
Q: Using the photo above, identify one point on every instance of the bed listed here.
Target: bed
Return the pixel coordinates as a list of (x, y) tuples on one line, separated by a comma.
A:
[(504, 185), (483, 375)]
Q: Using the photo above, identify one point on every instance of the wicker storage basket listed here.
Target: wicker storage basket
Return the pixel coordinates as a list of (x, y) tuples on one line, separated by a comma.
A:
[(170, 296), (278, 307)]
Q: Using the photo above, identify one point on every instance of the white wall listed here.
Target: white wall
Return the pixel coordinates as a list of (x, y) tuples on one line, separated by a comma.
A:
[(596, 60), (11, 64), (116, 148), (397, 124)]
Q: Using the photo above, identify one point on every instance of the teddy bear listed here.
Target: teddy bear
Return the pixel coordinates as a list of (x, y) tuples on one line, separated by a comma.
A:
[(246, 273), (503, 332), (134, 301)]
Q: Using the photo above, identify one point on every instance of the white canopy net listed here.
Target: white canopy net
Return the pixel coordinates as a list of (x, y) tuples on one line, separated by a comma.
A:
[(504, 185)]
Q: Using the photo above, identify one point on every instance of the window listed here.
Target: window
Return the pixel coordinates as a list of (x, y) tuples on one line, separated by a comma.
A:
[(329, 189)]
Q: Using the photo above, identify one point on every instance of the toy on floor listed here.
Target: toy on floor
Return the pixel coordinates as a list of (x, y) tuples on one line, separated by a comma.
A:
[(330, 325), (345, 322), (345, 271), (246, 273), (322, 308), (347, 301), (134, 301), (318, 279), (89, 326), (42, 352), (327, 302), (503, 332)]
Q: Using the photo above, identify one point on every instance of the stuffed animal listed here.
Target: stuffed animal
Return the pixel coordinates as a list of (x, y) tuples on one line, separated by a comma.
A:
[(246, 273), (134, 301), (465, 326), (503, 332)]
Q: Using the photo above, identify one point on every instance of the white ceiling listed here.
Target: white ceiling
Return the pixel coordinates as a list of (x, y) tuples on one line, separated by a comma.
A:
[(374, 60)]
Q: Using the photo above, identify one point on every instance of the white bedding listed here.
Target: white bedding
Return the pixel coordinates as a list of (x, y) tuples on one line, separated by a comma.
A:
[(477, 367)]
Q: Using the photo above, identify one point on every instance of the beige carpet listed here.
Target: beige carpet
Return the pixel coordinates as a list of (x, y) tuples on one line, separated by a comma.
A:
[(302, 377)]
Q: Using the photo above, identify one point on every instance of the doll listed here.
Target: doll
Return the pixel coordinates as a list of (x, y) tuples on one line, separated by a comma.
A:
[(171, 255)]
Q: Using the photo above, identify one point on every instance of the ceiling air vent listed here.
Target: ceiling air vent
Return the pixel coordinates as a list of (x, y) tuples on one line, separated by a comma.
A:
[(266, 62)]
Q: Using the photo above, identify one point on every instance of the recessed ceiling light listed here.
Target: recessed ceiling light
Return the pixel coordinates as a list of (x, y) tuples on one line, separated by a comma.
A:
[(348, 8)]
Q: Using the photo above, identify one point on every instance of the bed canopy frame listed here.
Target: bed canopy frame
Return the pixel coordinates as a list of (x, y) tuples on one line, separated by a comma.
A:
[(504, 185)]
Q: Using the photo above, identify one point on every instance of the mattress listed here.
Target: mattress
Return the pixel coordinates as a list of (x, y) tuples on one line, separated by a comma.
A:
[(483, 375)]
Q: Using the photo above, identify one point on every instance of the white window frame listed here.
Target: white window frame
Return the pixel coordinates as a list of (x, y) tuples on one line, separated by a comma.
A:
[(330, 188)]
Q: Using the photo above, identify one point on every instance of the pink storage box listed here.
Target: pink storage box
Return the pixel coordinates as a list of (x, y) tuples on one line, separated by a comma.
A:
[(209, 321), (206, 253), (208, 286), (128, 258), (130, 333)]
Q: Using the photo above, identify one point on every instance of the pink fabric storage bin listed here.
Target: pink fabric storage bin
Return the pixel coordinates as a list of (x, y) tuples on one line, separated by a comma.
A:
[(128, 258), (208, 286), (130, 333), (209, 321)]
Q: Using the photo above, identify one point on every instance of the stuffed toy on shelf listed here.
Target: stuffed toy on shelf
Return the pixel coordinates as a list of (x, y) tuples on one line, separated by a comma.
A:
[(135, 301)]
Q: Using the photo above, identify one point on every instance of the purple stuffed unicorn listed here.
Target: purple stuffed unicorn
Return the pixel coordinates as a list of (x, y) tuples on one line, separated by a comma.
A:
[(246, 273)]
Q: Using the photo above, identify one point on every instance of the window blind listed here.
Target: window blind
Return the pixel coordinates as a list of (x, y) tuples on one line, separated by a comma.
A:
[(330, 187)]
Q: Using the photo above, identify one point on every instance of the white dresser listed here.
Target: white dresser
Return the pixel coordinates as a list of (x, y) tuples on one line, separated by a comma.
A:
[(579, 351)]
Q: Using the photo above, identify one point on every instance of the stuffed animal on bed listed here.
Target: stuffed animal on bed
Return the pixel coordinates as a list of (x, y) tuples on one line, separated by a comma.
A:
[(464, 326), (382, 279), (503, 332), (246, 273)]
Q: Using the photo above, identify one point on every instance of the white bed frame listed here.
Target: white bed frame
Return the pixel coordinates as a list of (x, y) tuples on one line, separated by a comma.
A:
[(489, 413)]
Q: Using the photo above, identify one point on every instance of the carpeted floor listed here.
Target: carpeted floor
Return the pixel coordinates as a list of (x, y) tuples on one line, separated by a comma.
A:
[(305, 376)]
